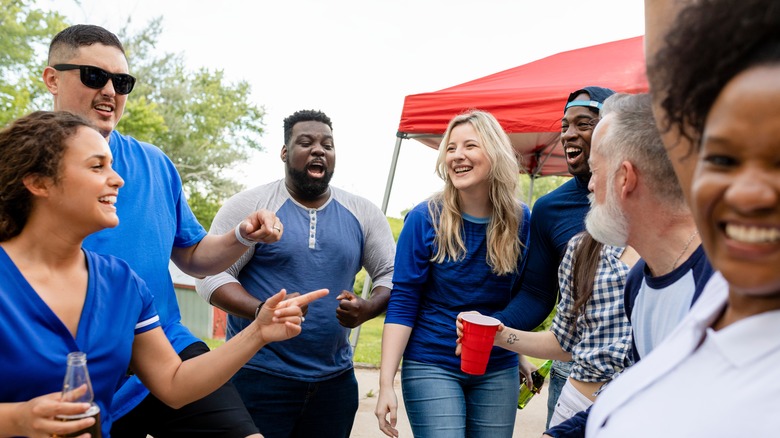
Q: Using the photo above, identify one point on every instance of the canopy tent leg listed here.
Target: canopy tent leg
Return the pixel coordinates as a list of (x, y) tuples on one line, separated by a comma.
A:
[(366, 293), (391, 175)]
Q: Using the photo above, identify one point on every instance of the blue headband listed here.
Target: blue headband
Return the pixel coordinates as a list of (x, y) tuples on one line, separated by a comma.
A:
[(588, 103)]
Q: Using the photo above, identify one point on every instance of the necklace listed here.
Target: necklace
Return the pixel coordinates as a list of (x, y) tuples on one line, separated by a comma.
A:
[(685, 248)]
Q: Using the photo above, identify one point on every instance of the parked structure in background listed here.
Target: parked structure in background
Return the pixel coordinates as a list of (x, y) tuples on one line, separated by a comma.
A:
[(203, 320)]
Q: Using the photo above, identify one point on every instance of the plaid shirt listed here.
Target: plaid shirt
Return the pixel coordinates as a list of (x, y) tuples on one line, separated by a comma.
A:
[(600, 337)]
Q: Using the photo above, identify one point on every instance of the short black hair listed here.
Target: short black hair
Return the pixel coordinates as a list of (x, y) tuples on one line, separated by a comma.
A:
[(304, 116), (80, 35), (710, 43)]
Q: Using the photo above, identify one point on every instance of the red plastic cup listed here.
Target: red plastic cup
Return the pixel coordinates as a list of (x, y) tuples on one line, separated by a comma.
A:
[(477, 342)]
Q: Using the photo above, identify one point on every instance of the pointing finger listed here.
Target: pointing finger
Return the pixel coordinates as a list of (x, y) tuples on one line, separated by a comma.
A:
[(309, 297)]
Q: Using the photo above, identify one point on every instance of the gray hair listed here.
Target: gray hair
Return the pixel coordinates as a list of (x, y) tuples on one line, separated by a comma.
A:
[(634, 137)]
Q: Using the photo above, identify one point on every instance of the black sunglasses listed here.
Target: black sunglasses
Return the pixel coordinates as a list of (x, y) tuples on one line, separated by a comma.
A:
[(97, 78)]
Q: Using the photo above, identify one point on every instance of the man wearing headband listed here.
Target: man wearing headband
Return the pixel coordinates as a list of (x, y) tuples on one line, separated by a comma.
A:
[(555, 219), (87, 74)]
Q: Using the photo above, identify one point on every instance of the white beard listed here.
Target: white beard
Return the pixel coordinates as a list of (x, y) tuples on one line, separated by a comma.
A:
[(606, 222)]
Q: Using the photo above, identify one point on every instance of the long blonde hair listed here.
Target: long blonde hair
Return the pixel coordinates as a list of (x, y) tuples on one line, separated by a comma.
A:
[(503, 244)]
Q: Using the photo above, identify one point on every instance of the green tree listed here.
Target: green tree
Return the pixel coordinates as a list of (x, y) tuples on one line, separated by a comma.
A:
[(542, 186), (395, 227), (203, 123), (25, 33)]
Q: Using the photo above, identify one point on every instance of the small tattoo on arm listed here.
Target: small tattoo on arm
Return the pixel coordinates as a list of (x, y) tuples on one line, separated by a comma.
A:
[(511, 339)]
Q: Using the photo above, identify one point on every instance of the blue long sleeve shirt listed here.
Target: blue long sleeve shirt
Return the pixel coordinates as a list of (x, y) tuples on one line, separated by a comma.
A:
[(555, 219), (428, 296)]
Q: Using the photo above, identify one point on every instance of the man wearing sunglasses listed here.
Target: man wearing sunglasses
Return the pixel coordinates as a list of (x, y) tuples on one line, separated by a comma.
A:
[(87, 74), (96, 77)]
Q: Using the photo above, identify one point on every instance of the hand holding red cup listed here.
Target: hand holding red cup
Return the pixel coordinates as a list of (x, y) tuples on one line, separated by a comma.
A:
[(479, 331)]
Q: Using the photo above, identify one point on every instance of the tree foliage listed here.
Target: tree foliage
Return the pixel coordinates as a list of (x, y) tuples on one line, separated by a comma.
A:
[(541, 187), (25, 33), (395, 227), (203, 122)]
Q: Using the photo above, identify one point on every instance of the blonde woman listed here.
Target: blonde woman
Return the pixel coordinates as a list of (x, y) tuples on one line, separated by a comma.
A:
[(461, 249)]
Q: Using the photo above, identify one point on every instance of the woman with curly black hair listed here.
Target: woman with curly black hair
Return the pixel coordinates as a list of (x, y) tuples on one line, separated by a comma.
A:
[(716, 79), (57, 187)]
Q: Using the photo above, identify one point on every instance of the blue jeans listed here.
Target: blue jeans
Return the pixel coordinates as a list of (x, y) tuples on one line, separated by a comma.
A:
[(445, 403), (285, 408), (558, 376)]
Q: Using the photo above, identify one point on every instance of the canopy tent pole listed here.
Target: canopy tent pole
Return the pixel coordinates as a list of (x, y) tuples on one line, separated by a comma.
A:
[(535, 174), (393, 163), (548, 153), (366, 293)]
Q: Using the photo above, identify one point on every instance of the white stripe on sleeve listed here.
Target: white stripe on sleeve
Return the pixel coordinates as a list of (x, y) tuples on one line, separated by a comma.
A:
[(147, 322)]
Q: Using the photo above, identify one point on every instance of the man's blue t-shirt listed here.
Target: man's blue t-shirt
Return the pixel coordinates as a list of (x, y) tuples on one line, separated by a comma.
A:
[(153, 218), (321, 248), (332, 263)]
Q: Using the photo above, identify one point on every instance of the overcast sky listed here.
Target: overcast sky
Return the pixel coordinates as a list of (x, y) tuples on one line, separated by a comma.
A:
[(357, 60)]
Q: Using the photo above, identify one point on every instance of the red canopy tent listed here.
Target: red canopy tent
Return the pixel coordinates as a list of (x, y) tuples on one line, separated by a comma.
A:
[(527, 100)]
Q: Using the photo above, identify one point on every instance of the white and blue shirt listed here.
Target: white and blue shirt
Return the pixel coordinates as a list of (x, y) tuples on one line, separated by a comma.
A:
[(321, 247), (656, 305)]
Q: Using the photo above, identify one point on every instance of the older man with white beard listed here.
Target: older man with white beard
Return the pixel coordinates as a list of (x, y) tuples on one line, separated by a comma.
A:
[(636, 201)]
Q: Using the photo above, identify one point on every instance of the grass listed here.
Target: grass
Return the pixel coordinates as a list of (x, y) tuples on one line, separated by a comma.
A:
[(369, 345), (214, 343)]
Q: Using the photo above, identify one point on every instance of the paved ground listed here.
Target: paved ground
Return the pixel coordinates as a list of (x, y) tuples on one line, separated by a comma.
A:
[(529, 423)]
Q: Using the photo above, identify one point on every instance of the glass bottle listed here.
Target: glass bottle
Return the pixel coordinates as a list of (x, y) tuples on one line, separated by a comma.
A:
[(77, 388), (76, 376), (538, 377)]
